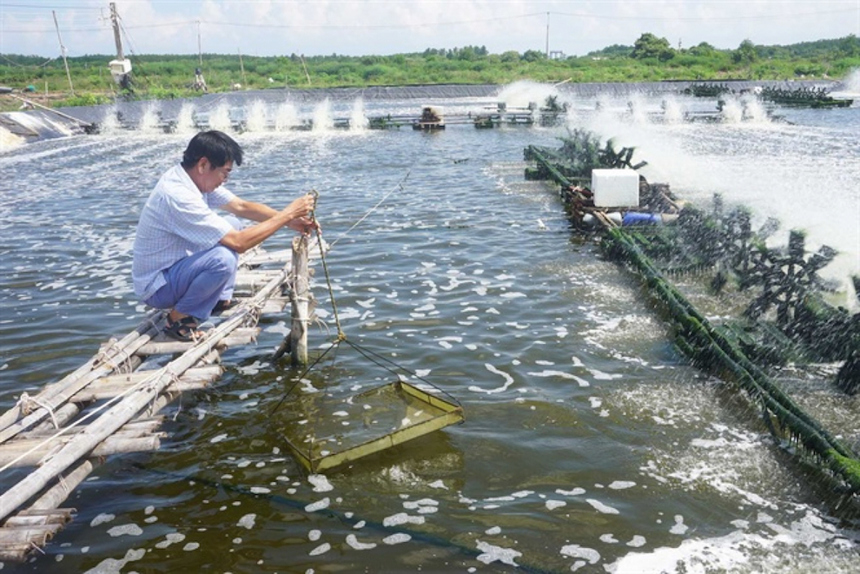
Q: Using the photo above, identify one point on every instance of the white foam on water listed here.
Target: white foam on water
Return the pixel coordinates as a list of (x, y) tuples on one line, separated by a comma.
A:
[(679, 527), (402, 518), (125, 530), (321, 549), (171, 538), (810, 543), (397, 538), (319, 505), (352, 542), (573, 492), (247, 521), (601, 507), (102, 519), (115, 566), (320, 482), (577, 551), (491, 553), (509, 380)]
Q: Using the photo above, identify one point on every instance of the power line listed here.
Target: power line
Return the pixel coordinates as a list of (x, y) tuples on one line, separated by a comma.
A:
[(585, 15), (43, 7)]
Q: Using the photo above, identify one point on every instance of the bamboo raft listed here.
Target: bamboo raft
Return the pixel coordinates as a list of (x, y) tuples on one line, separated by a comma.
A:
[(50, 443)]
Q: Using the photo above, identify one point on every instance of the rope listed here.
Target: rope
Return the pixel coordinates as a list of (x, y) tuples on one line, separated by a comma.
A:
[(26, 402), (84, 418), (371, 356), (372, 209)]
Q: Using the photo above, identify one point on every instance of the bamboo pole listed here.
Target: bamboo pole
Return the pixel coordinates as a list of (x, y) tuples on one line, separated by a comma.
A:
[(104, 361), (300, 296), (83, 444), (112, 386), (59, 395), (22, 453), (238, 337)]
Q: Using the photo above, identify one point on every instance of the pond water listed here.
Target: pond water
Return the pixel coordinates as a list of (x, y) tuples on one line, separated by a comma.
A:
[(589, 442)]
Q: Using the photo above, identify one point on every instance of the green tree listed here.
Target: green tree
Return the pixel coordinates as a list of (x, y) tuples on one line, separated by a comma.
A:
[(650, 46), (745, 54), (533, 56)]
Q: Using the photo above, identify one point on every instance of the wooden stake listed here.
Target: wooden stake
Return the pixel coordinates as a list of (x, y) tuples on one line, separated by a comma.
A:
[(300, 297)]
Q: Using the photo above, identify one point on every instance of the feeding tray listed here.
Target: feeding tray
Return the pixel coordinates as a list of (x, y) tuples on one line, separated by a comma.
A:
[(367, 423)]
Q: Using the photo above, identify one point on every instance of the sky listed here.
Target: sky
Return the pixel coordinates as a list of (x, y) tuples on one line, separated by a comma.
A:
[(383, 27)]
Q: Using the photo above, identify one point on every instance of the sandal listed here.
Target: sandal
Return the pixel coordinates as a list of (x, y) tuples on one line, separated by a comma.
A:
[(183, 330), (223, 305)]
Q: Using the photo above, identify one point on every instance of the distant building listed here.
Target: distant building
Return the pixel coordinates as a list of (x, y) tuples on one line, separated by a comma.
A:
[(556, 55)]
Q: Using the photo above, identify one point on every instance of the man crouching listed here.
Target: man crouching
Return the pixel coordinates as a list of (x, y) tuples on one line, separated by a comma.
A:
[(185, 254)]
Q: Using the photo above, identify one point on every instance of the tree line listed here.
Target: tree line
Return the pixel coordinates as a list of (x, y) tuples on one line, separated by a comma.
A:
[(650, 58)]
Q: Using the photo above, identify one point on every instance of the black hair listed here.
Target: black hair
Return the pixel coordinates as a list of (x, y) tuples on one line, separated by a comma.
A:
[(217, 147)]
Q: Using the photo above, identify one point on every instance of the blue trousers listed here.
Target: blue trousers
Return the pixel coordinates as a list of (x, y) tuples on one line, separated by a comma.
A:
[(195, 284)]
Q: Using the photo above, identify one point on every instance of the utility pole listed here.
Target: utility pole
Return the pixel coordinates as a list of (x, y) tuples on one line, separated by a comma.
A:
[(63, 50), (242, 67), (547, 35), (120, 68), (116, 38), (199, 47)]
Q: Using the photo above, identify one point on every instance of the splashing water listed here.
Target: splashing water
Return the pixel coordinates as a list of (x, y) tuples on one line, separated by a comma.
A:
[(672, 112), (110, 123), (357, 119), (8, 140), (322, 116), (852, 81), (219, 119), (185, 119), (732, 112), (754, 111), (286, 117), (256, 118), (521, 94), (149, 123)]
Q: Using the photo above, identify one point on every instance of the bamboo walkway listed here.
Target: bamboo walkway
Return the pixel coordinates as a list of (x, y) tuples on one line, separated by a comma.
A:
[(50, 442)]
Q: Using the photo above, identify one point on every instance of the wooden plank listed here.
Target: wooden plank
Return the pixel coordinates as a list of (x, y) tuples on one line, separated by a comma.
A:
[(114, 385), (272, 306), (30, 452), (241, 336), (253, 280), (137, 427)]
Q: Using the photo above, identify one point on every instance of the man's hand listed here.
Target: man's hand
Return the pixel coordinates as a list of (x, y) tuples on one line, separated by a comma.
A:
[(299, 207), (304, 225)]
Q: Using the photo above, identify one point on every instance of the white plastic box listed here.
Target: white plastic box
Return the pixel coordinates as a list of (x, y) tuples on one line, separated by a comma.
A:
[(615, 187)]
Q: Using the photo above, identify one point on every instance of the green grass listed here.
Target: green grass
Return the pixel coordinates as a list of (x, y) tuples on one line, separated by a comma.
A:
[(171, 76)]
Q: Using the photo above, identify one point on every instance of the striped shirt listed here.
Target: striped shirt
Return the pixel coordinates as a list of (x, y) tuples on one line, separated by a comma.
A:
[(177, 221)]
